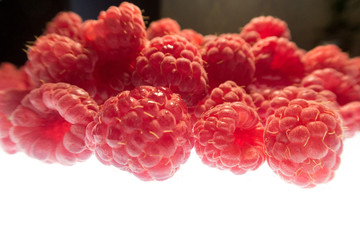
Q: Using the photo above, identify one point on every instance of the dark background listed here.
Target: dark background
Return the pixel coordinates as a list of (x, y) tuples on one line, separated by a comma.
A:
[(311, 22)]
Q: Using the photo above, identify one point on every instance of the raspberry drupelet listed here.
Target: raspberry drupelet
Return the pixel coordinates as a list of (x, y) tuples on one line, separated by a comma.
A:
[(50, 123), (303, 140), (228, 57), (172, 61), (230, 136), (145, 131)]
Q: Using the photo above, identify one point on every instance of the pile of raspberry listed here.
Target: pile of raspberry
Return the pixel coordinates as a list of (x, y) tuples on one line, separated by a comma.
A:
[(141, 98)]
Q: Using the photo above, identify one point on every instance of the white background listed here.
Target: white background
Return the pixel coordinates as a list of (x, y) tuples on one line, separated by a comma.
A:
[(94, 201)]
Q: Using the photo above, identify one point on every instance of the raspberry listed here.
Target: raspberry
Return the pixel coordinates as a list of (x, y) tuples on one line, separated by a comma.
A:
[(228, 91), (230, 136), (12, 77), (278, 61), (55, 58), (304, 141), (343, 86), (228, 57), (172, 61), (352, 68), (208, 38), (350, 114), (266, 26), (111, 78), (9, 100), (162, 27), (118, 33), (280, 98), (326, 56), (260, 95), (145, 131), (66, 24), (192, 36), (250, 37), (50, 123)]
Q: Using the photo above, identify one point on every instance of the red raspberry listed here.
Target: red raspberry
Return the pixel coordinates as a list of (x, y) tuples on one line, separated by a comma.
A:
[(250, 37), (326, 56), (119, 33), (343, 86), (228, 57), (172, 61), (278, 61), (66, 24), (9, 100), (350, 114), (266, 26), (55, 58), (230, 136), (162, 27), (261, 95), (228, 91), (352, 68), (192, 36), (304, 141), (111, 78), (145, 131), (12, 77), (50, 123), (208, 38), (280, 98)]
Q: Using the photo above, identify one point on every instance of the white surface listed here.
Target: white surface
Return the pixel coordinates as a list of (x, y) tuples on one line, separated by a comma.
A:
[(94, 201)]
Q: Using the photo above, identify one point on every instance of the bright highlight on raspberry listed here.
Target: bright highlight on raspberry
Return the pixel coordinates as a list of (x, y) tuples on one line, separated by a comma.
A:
[(140, 98)]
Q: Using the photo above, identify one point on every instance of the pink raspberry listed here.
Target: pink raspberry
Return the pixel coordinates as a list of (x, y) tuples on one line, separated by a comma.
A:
[(50, 123), (304, 141), (228, 57), (352, 69), (350, 114), (55, 58), (66, 24), (9, 100), (111, 78), (228, 91), (261, 95), (172, 61), (192, 36), (278, 61), (325, 56), (12, 77), (343, 86), (230, 136), (162, 27), (265, 26), (145, 131), (280, 98), (118, 33)]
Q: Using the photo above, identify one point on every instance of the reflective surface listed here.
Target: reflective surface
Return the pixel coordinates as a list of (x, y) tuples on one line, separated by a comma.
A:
[(94, 201)]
